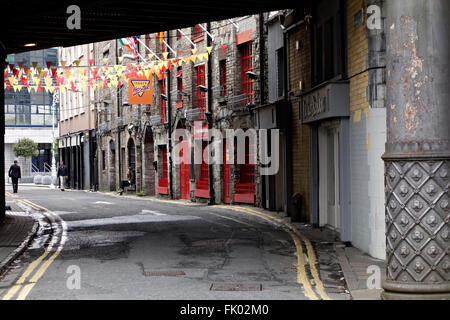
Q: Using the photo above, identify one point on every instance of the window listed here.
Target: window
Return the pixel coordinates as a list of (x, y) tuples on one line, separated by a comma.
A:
[(103, 160), (201, 96), (223, 77), (106, 55), (163, 97), (327, 49), (29, 115), (179, 77), (246, 65), (280, 72), (198, 33), (147, 43)]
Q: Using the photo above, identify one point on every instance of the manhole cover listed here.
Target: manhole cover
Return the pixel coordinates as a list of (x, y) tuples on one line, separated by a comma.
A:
[(170, 273), (236, 287)]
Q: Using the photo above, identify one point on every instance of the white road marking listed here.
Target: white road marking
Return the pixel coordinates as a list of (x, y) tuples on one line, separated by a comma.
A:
[(102, 202), (156, 213), (229, 218)]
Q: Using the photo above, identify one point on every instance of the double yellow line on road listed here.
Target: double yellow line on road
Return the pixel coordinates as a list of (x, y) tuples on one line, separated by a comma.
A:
[(296, 235), (20, 283)]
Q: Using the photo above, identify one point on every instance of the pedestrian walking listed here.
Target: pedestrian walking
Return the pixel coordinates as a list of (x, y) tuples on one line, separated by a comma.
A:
[(15, 175), (131, 175), (63, 173)]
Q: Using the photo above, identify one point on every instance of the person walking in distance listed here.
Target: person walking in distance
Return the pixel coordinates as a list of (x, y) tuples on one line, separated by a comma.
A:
[(14, 174), (63, 172)]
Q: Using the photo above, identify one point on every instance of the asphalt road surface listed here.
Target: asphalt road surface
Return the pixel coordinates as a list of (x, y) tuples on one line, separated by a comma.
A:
[(103, 246)]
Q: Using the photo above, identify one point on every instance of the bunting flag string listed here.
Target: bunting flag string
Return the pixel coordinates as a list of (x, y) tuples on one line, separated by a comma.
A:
[(77, 77)]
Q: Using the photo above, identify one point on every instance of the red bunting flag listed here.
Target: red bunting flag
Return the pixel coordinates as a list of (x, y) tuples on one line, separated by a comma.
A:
[(180, 52), (49, 64), (91, 62), (59, 81), (224, 47), (54, 72), (73, 86), (8, 87)]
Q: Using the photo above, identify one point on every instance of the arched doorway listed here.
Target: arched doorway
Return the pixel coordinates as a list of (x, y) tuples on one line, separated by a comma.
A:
[(148, 168), (131, 155), (183, 166)]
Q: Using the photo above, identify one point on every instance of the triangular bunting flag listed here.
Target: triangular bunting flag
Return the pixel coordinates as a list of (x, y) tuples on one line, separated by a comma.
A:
[(194, 51), (224, 47), (49, 64), (165, 54), (120, 59), (209, 49), (34, 63)]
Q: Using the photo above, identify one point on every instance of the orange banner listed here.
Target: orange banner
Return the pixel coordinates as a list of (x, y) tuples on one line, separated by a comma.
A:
[(140, 91)]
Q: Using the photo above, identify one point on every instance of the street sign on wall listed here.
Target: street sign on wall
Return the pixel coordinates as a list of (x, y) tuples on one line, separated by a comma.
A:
[(140, 91)]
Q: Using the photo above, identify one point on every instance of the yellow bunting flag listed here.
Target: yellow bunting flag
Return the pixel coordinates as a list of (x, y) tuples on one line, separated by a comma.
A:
[(77, 62), (105, 60), (209, 49), (165, 54), (193, 57), (120, 59), (194, 51), (34, 63)]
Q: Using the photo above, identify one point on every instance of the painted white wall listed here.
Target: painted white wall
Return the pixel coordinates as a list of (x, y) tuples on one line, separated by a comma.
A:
[(367, 145)]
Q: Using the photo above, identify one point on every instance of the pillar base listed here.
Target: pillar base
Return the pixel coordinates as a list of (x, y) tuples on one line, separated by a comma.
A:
[(387, 295)]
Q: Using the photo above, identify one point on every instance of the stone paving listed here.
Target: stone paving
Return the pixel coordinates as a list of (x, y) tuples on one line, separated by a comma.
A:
[(15, 234)]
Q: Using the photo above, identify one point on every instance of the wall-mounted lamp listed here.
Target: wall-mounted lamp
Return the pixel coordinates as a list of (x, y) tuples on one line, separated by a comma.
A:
[(164, 97), (202, 88), (251, 75)]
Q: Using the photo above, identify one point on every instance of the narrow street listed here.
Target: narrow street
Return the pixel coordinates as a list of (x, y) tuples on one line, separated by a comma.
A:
[(145, 248)]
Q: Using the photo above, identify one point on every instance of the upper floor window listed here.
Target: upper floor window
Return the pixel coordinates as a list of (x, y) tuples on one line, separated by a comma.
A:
[(246, 53), (327, 48), (201, 95), (163, 99), (223, 77), (198, 33), (280, 72)]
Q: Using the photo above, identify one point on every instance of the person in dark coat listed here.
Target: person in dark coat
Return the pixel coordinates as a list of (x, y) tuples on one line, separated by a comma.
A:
[(131, 175), (14, 174), (63, 173)]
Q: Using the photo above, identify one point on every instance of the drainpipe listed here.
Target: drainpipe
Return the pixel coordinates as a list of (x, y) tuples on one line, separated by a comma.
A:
[(118, 115), (209, 118), (261, 59), (169, 119), (417, 158)]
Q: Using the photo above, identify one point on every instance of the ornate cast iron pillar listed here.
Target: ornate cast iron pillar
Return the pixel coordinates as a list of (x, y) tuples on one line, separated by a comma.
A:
[(417, 158)]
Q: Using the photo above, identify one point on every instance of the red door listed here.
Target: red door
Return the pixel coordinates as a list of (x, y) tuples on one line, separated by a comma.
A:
[(184, 171), (226, 174)]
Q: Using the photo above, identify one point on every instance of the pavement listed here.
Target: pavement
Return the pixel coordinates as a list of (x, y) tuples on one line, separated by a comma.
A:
[(16, 233), (213, 246)]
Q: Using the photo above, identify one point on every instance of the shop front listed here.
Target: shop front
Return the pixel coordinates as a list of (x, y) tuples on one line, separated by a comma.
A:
[(326, 110)]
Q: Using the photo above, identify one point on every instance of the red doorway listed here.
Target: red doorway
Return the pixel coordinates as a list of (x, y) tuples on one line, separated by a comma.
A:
[(184, 171), (226, 174)]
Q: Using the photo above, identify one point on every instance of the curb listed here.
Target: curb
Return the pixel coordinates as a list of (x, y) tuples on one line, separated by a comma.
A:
[(349, 277), (16, 253)]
